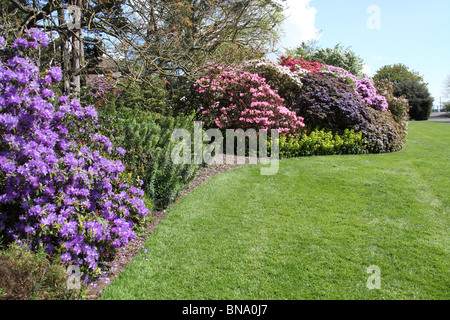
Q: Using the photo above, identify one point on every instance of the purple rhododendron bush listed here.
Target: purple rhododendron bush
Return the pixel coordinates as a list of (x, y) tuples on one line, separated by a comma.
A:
[(62, 185)]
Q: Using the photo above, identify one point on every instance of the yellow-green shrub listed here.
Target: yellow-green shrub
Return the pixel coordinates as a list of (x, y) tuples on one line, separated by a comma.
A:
[(322, 142)]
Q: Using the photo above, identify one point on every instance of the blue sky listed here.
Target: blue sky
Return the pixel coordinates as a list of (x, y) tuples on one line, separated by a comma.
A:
[(382, 32)]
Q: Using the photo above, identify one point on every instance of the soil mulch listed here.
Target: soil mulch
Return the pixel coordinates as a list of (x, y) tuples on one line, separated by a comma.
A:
[(125, 255)]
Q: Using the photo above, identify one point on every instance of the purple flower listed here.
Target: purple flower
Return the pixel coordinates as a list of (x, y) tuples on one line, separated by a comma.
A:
[(30, 230), (38, 36), (66, 257), (8, 121), (48, 220), (69, 228), (90, 112), (55, 73), (47, 93), (8, 167), (70, 160), (35, 211), (20, 43), (133, 189), (121, 151)]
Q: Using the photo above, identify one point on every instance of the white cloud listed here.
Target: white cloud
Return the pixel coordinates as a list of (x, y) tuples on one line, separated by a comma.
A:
[(367, 70), (300, 24)]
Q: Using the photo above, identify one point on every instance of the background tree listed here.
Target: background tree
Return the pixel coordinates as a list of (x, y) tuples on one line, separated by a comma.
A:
[(396, 73), (171, 38), (410, 84), (305, 50), (179, 38), (446, 106), (418, 96)]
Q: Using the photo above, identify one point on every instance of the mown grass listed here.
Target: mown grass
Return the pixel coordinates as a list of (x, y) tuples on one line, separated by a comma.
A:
[(308, 232)]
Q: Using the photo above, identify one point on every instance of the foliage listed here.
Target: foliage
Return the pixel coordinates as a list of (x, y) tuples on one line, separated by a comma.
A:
[(146, 137), (338, 56), (419, 98), (396, 73), (171, 39), (234, 99), (447, 106), (184, 36), (329, 102), (305, 50), (101, 91), (149, 95), (63, 186), (322, 142), (382, 132), (28, 275), (280, 78), (410, 84), (398, 106)]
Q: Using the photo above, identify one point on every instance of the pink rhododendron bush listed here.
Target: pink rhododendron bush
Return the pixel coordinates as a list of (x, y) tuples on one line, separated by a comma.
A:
[(62, 184), (234, 99)]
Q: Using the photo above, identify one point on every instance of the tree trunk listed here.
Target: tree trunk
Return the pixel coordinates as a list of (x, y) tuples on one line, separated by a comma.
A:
[(64, 52), (77, 50)]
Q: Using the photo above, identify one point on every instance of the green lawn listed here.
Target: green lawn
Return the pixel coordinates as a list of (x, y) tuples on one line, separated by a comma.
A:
[(309, 232)]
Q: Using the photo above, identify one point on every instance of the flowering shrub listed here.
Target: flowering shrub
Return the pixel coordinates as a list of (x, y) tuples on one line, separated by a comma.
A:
[(329, 102), (342, 73), (278, 77), (369, 95), (364, 87), (233, 99), (297, 65), (398, 106), (62, 186), (383, 133)]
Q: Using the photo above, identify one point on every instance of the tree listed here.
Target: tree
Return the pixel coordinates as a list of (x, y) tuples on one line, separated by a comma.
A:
[(181, 37), (418, 96), (447, 106), (337, 56), (410, 84), (305, 50), (398, 72), (171, 38)]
